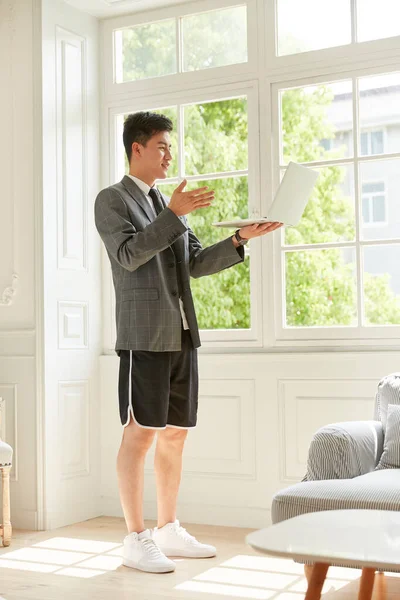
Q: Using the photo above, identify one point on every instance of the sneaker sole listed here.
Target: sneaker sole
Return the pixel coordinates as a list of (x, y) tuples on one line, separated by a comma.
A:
[(178, 554), (132, 565)]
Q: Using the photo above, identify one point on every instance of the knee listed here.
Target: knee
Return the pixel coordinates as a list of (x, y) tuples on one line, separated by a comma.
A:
[(137, 438), (173, 437)]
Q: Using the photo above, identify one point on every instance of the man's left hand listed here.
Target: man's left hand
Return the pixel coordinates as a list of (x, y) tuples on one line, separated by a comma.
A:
[(252, 231)]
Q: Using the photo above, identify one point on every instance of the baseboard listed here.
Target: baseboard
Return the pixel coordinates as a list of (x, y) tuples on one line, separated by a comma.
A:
[(228, 516)]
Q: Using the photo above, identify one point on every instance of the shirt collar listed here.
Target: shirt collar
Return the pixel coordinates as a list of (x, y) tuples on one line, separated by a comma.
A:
[(141, 184)]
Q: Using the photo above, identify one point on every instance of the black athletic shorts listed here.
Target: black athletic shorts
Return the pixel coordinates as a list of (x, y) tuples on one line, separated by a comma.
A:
[(159, 389)]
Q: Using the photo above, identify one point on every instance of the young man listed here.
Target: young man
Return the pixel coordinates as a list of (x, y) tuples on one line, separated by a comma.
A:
[(153, 253)]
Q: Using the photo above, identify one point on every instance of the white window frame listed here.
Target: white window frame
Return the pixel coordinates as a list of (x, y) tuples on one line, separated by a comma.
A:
[(251, 337), (263, 71), (370, 196), (316, 60), (340, 335), (181, 79)]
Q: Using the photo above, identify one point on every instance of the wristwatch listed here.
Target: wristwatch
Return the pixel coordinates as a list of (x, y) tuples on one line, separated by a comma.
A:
[(241, 241)]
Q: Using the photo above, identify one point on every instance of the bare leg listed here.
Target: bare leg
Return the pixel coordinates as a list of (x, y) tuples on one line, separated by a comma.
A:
[(168, 469), (136, 441)]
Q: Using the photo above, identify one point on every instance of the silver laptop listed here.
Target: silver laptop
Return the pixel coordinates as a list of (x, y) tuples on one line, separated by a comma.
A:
[(290, 200)]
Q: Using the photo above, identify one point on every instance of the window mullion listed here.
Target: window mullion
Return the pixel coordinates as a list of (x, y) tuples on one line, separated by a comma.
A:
[(179, 45), (181, 141), (360, 274), (353, 8)]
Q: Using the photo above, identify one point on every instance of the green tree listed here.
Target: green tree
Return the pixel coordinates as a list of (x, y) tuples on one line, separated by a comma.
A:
[(320, 284)]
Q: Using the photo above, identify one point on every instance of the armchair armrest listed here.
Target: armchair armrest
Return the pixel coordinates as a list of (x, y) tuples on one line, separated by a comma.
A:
[(345, 450)]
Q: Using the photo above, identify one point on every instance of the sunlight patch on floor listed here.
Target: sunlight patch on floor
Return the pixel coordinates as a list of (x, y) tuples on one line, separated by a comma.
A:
[(264, 578), (70, 557)]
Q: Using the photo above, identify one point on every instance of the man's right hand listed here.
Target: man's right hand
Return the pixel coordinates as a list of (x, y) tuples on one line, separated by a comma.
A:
[(183, 203)]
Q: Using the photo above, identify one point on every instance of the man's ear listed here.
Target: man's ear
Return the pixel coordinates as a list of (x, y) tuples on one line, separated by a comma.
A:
[(136, 150)]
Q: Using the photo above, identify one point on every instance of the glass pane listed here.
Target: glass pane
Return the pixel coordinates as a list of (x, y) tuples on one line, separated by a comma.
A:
[(145, 51), (377, 20), (377, 142), (313, 115), (223, 300), (364, 144), (378, 209), (312, 25), (380, 113), (216, 137), (122, 161), (215, 39), (330, 213), (370, 188), (381, 178), (365, 209), (382, 285), (321, 288)]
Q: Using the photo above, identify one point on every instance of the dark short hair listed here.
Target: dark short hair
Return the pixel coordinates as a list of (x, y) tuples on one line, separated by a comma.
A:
[(141, 126)]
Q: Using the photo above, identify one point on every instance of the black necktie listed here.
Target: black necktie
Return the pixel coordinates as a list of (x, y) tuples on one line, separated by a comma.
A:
[(157, 202)]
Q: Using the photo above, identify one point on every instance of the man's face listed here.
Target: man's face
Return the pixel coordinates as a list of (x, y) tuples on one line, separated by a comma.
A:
[(154, 159)]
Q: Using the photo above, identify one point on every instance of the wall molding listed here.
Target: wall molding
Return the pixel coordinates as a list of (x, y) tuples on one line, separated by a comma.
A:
[(8, 17), (9, 292)]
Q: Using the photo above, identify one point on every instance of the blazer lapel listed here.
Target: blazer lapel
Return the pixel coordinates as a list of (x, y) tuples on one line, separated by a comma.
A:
[(138, 196), (178, 247)]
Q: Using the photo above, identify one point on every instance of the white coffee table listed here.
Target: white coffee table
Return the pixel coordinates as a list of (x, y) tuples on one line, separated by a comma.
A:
[(368, 539)]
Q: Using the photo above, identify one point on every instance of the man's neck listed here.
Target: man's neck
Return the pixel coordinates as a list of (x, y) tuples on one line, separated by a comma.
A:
[(148, 180)]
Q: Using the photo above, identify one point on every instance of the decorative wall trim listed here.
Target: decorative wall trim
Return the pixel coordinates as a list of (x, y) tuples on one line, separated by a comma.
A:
[(8, 49), (9, 292), (71, 152), (74, 428)]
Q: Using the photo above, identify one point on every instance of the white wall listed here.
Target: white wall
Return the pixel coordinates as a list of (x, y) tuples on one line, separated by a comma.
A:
[(257, 413), (72, 277), (18, 158)]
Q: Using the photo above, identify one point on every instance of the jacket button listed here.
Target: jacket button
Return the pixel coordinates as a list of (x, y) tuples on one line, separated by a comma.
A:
[(174, 293), (171, 265)]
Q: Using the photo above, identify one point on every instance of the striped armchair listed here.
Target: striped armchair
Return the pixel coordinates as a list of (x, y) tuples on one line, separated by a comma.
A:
[(342, 465)]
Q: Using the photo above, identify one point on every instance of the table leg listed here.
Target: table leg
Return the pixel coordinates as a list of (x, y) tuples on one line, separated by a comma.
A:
[(316, 581), (366, 584), (308, 572), (381, 586)]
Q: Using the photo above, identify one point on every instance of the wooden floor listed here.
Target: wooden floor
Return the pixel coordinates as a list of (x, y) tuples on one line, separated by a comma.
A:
[(83, 561)]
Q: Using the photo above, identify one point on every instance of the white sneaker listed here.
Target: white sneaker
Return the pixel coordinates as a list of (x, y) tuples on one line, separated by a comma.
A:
[(174, 540), (141, 552)]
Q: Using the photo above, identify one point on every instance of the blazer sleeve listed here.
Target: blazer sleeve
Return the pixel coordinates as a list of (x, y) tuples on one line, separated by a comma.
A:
[(130, 248), (215, 258)]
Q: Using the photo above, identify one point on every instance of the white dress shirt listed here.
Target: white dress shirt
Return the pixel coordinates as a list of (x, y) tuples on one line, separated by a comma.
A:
[(146, 189)]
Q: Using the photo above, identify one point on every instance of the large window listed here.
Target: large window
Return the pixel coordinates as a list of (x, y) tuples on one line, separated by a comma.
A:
[(251, 85), (338, 258), (306, 25), (210, 148), (200, 41)]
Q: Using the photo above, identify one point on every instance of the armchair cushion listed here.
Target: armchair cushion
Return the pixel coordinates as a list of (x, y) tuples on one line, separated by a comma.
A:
[(345, 450), (388, 393), (376, 490), (390, 458)]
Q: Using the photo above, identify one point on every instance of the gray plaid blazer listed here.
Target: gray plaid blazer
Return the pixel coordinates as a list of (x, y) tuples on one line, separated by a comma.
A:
[(144, 267)]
